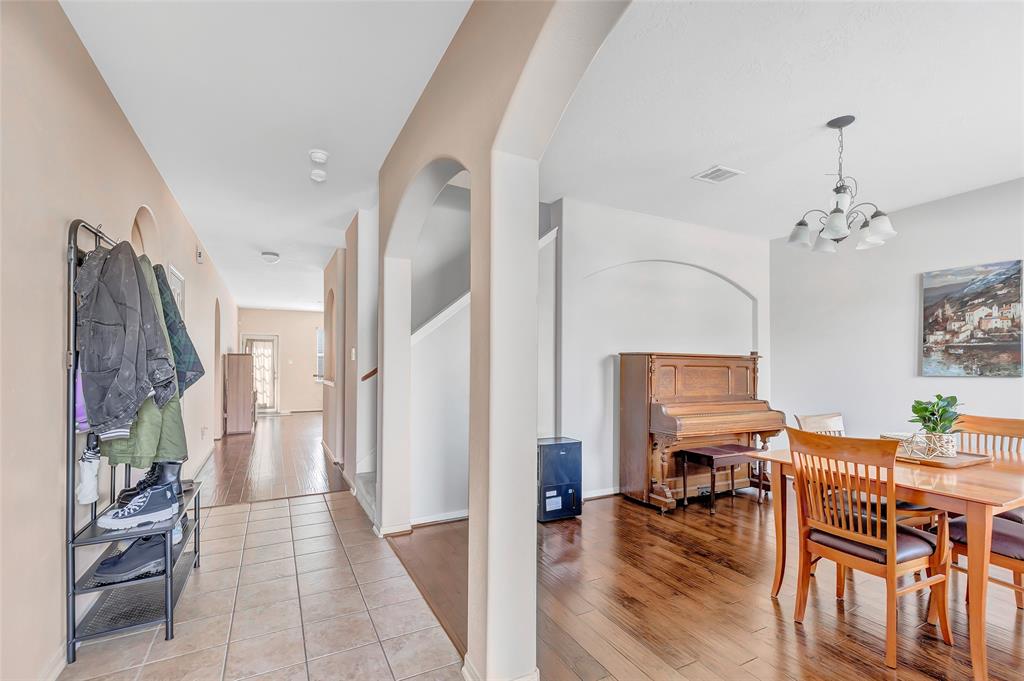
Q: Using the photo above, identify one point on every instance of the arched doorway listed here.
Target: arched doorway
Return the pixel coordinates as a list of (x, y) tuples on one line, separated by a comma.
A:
[(424, 362)]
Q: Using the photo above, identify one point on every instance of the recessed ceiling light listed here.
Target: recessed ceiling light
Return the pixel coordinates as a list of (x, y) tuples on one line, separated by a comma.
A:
[(318, 175), (318, 156), (270, 257)]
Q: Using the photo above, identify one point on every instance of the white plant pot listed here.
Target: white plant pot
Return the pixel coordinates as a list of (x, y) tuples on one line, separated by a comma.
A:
[(939, 445)]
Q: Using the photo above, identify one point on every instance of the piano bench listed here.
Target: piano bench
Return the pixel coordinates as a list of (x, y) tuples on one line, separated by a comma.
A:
[(717, 457)]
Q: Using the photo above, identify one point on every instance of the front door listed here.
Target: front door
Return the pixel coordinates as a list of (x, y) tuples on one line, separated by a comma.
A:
[(264, 370)]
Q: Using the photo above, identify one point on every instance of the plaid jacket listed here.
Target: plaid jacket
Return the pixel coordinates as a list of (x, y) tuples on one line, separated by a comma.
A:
[(186, 359)]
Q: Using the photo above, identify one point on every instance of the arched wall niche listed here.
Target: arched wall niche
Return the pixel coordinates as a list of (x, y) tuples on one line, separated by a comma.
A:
[(639, 305), (731, 282), (144, 235)]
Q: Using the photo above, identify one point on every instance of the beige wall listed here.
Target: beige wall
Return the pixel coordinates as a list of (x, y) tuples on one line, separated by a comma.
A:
[(68, 152), (348, 367), (298, 390)]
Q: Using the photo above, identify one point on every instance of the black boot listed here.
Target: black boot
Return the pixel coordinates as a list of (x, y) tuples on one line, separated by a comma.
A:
[(170, 472), (151, 478)]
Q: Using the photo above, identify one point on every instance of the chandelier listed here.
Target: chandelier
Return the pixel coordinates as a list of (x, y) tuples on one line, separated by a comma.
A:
[(844, 217)]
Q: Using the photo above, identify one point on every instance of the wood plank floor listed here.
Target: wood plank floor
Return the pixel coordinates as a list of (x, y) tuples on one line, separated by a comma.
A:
[(282, 458), (626, 594)]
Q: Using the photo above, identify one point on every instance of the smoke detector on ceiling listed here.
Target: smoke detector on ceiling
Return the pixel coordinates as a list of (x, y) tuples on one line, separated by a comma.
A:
[(318, 156), (717, 174), (270, 257), (318, 175)]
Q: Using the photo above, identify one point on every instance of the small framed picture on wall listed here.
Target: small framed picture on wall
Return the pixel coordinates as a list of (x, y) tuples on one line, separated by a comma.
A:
[(176, 281)]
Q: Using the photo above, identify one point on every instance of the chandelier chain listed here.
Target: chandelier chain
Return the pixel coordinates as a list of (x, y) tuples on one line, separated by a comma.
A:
[(840, 180)]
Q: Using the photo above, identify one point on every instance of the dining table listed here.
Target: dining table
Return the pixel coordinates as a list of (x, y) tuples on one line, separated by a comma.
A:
[(976, 492)]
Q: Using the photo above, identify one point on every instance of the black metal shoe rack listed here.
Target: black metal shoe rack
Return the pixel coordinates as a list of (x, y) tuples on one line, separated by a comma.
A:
[(140, 602)]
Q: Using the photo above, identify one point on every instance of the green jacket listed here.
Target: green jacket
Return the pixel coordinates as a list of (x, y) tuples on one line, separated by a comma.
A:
[(158, 433)]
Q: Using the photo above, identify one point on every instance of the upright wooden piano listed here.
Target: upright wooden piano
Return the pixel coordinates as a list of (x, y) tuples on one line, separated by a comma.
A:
[(671, 402)]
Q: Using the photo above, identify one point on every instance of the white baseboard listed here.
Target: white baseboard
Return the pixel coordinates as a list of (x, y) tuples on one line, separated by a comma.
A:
[(470, 673), (206, 460), (607, 491), (349, 481), (393, 529), (56, 666), (440, 517), (327, 449)]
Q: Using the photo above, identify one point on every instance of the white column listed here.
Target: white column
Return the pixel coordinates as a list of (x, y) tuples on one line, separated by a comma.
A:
[(394, 357), (503, 488)]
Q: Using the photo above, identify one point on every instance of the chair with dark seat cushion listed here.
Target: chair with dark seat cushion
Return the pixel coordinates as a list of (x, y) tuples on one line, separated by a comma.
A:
[(1003, 439), (846, 509), (911, 543), (1007, 551), (1007, 537), (1016, 515)]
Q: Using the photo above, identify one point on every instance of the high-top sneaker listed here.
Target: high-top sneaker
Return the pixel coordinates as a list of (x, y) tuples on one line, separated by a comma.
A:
[(151, 478), (155, 504)]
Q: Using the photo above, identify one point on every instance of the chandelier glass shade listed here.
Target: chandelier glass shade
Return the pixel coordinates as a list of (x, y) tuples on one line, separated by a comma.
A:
[(844, 216)]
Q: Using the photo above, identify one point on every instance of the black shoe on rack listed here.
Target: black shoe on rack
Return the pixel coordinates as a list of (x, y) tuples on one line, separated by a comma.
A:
[(142, 558), (154, 505), (170, 474), (152, 477)]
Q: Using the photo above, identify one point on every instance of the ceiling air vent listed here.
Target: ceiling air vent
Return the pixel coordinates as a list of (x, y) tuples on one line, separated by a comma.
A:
[(717, 174)]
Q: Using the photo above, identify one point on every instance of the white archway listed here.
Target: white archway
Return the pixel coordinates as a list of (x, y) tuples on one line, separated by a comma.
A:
[(492, 103), (394, 341)]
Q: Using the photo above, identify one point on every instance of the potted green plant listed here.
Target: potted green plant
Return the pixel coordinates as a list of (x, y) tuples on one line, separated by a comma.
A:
[(938, 420)]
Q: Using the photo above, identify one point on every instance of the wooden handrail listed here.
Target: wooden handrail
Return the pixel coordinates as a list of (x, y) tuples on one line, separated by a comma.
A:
[(369, 374)]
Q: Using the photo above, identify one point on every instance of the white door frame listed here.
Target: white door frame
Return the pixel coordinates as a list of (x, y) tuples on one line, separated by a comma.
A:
[(273, 338)]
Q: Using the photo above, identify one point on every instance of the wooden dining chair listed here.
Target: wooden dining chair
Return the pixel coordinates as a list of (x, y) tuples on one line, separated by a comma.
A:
[(832, 424), (1003, 438), (846, 512), (825, 424)]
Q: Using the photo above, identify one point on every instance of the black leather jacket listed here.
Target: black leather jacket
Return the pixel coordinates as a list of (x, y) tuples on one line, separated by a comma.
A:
[(121, 348)]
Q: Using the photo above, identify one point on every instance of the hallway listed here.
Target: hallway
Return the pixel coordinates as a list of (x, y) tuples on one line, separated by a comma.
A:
[(288, 590), (283, 458)]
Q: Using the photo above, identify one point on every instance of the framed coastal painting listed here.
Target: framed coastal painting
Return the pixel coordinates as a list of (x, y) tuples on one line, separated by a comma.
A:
[(972, 321)]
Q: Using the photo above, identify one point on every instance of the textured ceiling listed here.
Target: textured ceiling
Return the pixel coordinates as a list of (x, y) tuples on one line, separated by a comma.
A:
[(228, 98), (937, 89)]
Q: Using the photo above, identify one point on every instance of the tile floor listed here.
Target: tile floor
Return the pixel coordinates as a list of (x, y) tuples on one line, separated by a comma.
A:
[(289, 590)]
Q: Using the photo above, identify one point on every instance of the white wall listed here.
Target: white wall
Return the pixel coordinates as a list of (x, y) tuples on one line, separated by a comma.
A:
[(634, 282), (846, 328), (440, 266), (547, 332), (439, 449)]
